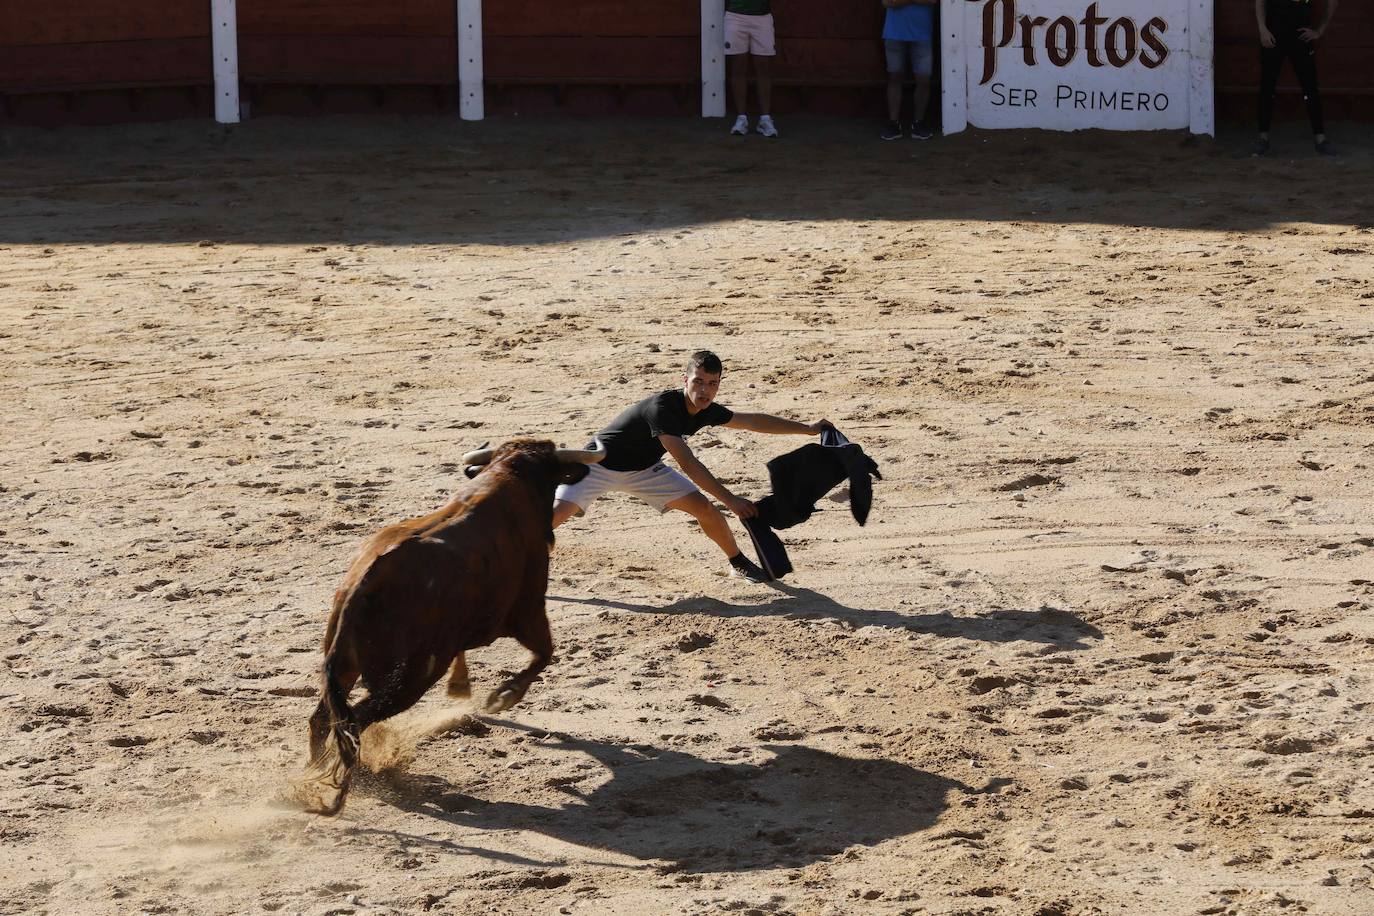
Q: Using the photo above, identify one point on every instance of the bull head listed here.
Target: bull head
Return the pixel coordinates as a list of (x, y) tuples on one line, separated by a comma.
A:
[(474, 461)]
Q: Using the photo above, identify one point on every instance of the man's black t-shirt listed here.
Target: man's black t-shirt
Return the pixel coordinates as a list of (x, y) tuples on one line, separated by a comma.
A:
[(1288, 15), (631, 439)]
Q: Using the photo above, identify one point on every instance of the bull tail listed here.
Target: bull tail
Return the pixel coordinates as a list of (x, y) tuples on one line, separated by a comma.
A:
[(343, 726)]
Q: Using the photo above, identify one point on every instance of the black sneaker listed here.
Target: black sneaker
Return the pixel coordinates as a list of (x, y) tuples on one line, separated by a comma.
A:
[(1260, 148), (1324, 148), (741, 567), (919, 131), (893, 131)]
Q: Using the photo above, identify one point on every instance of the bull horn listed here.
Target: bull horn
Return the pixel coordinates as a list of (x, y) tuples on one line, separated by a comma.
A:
[(480, 456), (581, 456)]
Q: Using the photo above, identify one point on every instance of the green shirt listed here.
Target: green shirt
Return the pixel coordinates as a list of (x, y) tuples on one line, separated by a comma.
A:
[(748, 7)]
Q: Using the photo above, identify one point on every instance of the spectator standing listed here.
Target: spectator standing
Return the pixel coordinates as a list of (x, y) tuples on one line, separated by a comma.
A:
[(1285, 31), (909, 45), (749, 36)]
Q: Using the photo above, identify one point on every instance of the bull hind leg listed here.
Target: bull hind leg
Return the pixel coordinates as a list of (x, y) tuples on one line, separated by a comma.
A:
[(319, 732), (536, 637), (397, 691), (325, 785), (459, 686), (388, 695), (320, 719)]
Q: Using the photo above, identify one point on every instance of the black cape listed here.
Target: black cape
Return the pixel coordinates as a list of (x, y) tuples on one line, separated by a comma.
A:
[(799, 479)]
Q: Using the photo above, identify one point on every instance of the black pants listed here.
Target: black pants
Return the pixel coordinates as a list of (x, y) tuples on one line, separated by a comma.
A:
[(1304, 57)]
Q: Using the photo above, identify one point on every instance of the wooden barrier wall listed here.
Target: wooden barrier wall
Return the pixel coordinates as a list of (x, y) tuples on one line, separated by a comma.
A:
[(592, 56), (96, 61), (101, 61), (300, 56)]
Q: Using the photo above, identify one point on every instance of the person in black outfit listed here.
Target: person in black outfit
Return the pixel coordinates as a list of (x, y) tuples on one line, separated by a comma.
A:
[(1285, 31), (637, 439)]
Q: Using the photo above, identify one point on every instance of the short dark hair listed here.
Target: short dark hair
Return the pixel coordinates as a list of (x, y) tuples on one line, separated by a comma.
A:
[(706, 361)]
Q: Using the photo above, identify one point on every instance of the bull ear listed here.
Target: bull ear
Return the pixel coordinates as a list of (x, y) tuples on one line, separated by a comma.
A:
[(572, 473)]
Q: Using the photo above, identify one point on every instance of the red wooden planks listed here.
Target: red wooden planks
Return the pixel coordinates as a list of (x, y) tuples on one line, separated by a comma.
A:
[(415, 18), (857, 19), (825, 59), (517, 56), (652, 18), (27, 22), (347, 59), (106, 63), (347, 42), (108, 106)]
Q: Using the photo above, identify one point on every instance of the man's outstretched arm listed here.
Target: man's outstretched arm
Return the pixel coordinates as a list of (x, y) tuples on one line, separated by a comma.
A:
[(700, 475), (767, 423)]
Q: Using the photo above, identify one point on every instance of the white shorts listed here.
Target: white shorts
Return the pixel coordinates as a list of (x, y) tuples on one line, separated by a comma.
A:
[(657, 486), (749, 35)]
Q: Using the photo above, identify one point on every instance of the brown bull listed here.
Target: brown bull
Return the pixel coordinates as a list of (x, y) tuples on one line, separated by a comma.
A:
[(422, 592)]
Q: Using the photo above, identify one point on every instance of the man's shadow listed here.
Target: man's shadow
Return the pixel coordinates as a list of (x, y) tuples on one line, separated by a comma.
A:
[(1047, 625), (798, 806)]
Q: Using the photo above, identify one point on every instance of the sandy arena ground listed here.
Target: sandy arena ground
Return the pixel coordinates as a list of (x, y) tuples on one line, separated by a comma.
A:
[(1104, 647)]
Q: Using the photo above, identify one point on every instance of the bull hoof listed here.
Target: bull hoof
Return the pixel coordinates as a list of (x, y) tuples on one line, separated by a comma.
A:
[(461, 690), (333, 807), (503, 698), (314, 794)]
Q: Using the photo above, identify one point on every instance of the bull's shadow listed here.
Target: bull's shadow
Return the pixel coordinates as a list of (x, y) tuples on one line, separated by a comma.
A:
[(1046, 625), (800, 805)]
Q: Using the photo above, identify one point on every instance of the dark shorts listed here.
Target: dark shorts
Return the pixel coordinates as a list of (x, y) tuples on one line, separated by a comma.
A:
[(920, 53)]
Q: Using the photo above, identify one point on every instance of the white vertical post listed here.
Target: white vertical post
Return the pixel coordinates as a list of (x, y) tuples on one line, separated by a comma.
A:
[(713, 58), (224, 44), (471, 101), (953, 67), (1202, 113)]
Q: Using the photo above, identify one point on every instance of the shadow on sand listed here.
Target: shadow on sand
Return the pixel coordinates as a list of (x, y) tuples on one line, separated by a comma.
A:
[(416, 180), (796, 807), (1047, 625)]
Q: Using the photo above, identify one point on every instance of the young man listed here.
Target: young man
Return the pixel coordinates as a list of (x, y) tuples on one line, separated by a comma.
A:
[(909, 41), (635, 443), (749, 35), (1285, 31)]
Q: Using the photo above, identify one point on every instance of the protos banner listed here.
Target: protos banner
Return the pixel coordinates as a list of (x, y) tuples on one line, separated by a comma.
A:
[(1071, 65)]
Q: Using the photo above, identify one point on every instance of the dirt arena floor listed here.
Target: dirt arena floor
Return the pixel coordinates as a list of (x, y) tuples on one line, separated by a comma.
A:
[(1104, 647)]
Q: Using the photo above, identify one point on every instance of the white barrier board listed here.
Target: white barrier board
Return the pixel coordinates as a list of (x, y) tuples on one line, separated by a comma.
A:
[(1071, 64), (471, 85), (224, 64)]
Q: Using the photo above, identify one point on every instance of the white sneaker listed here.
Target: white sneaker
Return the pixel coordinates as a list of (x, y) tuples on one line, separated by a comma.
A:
[(767, 127), (741, 126)]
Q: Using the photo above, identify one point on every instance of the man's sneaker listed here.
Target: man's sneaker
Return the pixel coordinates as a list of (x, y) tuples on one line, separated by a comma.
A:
[(767, 127), (893, 131), (741, 126), (1260, 148), (919, 131), (741, 567), (1324, 148)]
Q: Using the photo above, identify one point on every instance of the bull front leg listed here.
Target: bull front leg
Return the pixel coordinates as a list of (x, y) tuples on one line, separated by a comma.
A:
[(535, 636)]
